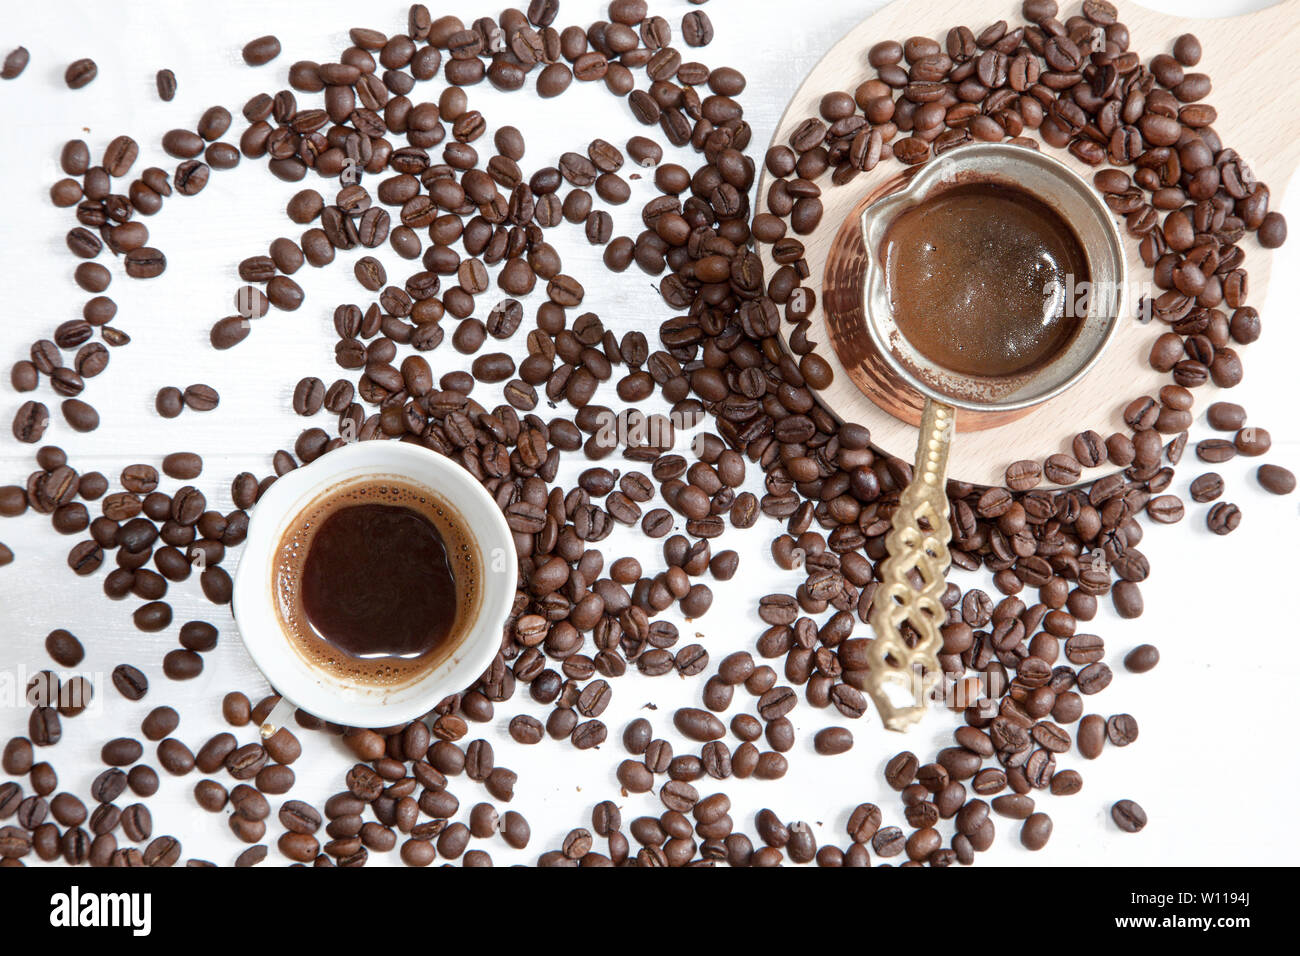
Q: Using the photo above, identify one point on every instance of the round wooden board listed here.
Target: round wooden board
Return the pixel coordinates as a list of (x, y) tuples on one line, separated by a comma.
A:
[(1243, 55)]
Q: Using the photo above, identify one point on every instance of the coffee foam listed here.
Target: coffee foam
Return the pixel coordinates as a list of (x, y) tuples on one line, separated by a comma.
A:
[(291, 554)]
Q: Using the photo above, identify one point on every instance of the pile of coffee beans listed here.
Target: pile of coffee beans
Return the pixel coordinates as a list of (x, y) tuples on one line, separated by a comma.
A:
[(1019, 669)]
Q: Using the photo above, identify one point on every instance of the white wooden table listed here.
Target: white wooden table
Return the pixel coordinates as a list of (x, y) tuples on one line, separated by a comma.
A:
[(1219, 702)]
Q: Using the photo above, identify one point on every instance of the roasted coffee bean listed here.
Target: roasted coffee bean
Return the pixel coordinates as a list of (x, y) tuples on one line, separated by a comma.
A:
[(1225, 416), (64, 648), (120, 156), (1206, 487), (91, 360), (165, 81), (699, 725), (201, 398), (15, 62), (80, 73), (1275, 479), (1252, 441), (130, 682), (24, 376), (182, 664), (175, 757), (261, 51), (1091, 737), (1223, 518), (1061, 469), (182, 465), (44, 727), (30, 422), (1128, 816), (159, 723), (901, 770), (697, 29), (833, 740), (309, 396), (81, 416), (1121, 730), (1165, 509), (1215, 450), (1023, 475), (74, 159), (1036, 831), (121, 752), (145, 263)]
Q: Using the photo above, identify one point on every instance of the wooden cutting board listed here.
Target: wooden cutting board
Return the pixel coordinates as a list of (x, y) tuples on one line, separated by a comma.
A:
[(1252, 62)]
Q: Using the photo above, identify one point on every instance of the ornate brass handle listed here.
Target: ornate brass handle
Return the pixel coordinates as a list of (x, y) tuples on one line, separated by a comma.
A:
[(917, 542)]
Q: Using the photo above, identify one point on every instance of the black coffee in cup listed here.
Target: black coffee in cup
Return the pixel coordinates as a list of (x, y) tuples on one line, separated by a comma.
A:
[(377, 581)]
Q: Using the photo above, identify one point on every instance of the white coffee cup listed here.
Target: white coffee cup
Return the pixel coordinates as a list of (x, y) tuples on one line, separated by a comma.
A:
[(332, 697)]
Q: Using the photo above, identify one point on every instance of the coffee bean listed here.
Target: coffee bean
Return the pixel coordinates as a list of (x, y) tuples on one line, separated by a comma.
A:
[(145, 263), (526, 730), (1206, 487), (261, 51), (1091, 736), (165, 81), (1121, 730), (162, 851), (80, 73), (1023, 475), (201, 398), (1165, 509), (901, 770), (1215, 450), (24, 376), (1223, 518), (1275, 479), (120, 156), (81, 416), (309, 396), (153, 616), (1036, 831), (182, 465), (699, 725), (501, 783), (30, 422), (159, 723), (888, 842), (1225, 416), (1061, 469), (697, 29), (91, 360), (1272, 230), (15, 62), (64, 648), (121, 752), (833, 740), (84, 558), (74, 159), (228, 332), (182, 664), (1252, 441), (1128, 816), (130, 682)]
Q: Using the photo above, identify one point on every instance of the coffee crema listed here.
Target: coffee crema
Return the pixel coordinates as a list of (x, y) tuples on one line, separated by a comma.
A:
[(978, 277), (377, 581)]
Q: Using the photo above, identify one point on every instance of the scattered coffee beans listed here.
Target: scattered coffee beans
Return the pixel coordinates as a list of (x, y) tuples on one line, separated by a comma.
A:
[(1054, 547)]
